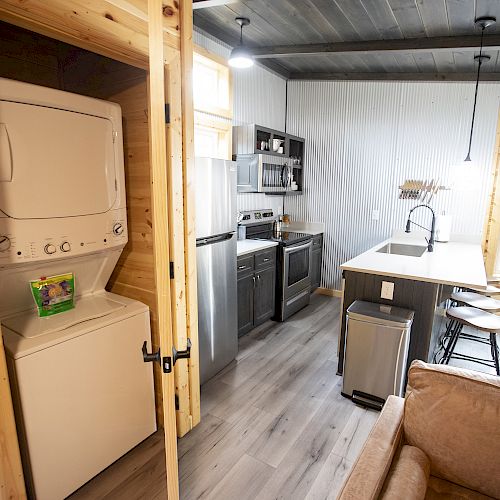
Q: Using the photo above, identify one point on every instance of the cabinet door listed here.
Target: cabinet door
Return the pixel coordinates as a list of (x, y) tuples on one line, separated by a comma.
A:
[(264, 295), (315, 268), (245, 303)]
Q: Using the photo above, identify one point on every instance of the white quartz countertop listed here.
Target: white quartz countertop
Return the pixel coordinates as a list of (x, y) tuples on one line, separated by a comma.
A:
[(312, 228), (451, 263), (249, 246)]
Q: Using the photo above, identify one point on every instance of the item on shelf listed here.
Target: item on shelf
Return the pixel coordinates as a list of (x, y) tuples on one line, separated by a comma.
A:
[(277, 144), (264, 146), (281, 150)]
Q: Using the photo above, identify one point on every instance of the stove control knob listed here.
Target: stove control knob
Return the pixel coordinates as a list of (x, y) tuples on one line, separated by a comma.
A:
[(65, 246), (118, 229), (4, 243), (50, 249)]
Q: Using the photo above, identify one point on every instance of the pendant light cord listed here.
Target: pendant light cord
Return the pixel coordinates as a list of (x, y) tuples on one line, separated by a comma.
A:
[(480, 60)]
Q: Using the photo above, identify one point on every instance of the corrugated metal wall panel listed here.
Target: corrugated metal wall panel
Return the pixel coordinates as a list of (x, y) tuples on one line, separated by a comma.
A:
[(363, 139), (258, 97)]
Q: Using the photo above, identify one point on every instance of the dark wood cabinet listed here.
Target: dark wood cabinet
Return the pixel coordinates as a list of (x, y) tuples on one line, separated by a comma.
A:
[(256, 289), (265, 282), (245, 303), (316, 257)]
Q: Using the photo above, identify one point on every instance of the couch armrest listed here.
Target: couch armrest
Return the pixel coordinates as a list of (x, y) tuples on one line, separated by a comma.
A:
[(370, 470)]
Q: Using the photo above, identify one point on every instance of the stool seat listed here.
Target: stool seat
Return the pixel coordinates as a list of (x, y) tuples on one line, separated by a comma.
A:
[(489, 290), (477, 300), (476, 318)]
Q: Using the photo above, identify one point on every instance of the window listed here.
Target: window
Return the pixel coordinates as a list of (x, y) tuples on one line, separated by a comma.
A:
[(212, 104)]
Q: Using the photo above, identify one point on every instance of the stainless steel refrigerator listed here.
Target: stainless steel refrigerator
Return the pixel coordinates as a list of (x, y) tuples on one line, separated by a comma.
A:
[(216, 261)]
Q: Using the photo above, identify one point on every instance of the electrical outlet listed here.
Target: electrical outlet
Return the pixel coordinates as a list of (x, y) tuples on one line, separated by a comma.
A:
[(387, 291), (375, 214)]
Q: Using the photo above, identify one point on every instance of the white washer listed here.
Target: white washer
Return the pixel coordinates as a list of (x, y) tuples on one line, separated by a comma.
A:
[(82, 394)]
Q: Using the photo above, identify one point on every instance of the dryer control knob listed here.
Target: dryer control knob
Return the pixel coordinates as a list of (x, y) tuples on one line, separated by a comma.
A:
[(50, 249), (118, 229), (4, 243), (65, 246)]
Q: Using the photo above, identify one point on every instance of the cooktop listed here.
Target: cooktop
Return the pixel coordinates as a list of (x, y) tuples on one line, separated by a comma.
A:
[(284, 238)]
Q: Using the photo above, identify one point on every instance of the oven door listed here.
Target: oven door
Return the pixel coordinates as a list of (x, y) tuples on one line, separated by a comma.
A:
[(296, 268)]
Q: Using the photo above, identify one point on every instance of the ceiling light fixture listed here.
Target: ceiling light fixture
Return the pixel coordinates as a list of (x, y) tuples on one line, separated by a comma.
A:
[(240, 56), (483, 23)]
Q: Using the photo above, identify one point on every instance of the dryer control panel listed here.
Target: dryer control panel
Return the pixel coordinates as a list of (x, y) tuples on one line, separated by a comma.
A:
[(23, 241)]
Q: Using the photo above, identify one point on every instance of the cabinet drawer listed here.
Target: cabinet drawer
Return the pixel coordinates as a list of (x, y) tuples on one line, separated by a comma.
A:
[(245, 264), (265, 259)]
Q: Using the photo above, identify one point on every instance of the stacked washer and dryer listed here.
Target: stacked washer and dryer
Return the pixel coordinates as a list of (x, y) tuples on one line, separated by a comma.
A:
[(82, 394)]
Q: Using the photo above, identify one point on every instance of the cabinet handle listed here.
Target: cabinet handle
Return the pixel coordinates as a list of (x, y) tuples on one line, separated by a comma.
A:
[(253, 278), (266, 260), (258, 277), (242, 267)]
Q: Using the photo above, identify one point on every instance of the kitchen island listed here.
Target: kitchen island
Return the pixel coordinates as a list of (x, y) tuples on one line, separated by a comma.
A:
[(421, 283)]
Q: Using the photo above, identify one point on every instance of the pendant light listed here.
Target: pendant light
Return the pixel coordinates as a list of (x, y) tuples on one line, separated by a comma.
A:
[(483, 23), (240, 56)]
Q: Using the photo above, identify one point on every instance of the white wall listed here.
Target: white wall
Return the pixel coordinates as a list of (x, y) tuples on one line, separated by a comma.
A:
[(363, 139), (258, 97)]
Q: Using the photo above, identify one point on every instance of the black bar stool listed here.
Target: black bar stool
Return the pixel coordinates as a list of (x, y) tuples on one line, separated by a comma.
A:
[(478, 319)]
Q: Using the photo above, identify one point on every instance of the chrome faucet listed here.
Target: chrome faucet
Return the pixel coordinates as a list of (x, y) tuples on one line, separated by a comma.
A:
[(430, 241)]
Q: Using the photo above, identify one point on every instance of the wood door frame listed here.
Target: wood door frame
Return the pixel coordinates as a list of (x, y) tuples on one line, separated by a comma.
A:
[(491, 232)]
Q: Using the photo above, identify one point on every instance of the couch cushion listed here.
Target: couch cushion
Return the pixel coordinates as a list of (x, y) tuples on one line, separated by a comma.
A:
[(408, 475), (453, 416), (439, 489)]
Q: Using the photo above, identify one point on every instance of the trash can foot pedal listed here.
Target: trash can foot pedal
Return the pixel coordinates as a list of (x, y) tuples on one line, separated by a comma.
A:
[(368, 400)]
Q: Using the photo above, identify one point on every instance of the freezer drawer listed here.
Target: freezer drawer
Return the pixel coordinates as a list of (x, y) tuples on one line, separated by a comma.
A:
[(376, 352)]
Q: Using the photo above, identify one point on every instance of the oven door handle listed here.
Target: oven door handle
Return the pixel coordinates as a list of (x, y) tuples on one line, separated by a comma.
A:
[(300, 247)]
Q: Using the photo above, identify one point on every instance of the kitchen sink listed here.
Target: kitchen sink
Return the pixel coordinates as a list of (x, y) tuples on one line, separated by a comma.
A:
[(400, 249)]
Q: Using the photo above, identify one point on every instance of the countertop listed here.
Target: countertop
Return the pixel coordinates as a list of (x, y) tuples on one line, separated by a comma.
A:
[(452, 263), (312, 228), (249, 246)]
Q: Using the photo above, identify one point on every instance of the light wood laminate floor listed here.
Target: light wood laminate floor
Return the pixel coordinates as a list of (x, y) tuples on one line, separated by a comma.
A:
[(274, 425)]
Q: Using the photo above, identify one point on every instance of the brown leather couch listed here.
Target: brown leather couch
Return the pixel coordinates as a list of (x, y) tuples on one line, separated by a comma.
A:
[(441, 441)]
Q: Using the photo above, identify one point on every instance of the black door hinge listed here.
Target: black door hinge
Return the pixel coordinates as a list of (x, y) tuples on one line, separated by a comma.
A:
[(172, 271), (167, 112)]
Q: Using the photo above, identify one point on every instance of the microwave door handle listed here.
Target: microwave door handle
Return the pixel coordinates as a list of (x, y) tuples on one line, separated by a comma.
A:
[(300, 247)]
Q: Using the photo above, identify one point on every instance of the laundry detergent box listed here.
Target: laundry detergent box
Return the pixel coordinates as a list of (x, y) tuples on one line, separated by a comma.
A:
[(54, 294)]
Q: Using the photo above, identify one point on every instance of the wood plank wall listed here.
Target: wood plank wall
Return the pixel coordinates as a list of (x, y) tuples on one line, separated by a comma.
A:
[(40, 60)]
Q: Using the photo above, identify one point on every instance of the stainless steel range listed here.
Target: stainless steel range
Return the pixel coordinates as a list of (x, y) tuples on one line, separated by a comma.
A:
[(293, 273)]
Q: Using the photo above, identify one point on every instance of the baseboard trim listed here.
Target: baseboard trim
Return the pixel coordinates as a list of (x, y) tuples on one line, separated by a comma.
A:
[(329, 291)]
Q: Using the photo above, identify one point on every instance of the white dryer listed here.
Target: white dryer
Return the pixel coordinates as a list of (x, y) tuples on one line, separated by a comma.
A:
[(82, 394)]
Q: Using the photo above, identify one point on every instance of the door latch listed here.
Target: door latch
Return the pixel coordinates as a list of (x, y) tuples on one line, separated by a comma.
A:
[(167, 362)]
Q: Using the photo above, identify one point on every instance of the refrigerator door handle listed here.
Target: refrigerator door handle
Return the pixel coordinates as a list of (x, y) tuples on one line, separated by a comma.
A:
[(214, 239)]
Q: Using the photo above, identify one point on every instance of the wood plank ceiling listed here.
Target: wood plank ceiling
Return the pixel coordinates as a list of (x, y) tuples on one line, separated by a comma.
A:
[(298, 23)]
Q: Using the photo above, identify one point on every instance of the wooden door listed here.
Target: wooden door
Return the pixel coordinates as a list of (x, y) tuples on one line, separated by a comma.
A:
[(264, 301), (160, 204), (245, 303)]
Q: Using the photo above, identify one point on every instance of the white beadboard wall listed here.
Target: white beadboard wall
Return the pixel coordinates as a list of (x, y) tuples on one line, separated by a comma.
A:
[(258, 97), (363, 139)]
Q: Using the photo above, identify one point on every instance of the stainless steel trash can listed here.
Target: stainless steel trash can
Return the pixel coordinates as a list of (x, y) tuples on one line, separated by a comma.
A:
[(376, 352)]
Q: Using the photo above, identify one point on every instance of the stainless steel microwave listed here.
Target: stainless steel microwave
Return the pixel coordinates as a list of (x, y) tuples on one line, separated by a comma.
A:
[(261, 173)]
